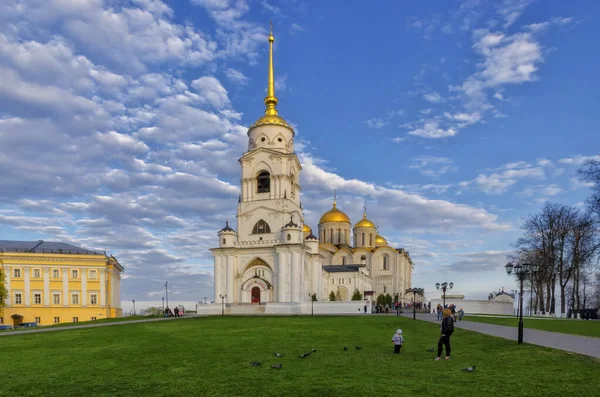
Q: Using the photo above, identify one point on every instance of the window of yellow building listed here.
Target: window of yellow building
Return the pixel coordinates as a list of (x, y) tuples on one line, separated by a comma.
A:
[(37, 299), (18, 299), (56, 320), (74, 274), (93, 299), (55, 273), (56, 299), (17, 273), (75, 319), (75, 299), (36, 273), (1, 320), (93, 275), (93, 318), (38, 320)]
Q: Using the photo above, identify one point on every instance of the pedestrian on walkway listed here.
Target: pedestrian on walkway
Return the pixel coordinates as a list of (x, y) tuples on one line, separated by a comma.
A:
[(447, 330), (439, 312), (176, 311)]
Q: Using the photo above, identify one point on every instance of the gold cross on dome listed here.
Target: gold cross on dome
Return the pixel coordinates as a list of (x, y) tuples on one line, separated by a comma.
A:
[(271, 25)]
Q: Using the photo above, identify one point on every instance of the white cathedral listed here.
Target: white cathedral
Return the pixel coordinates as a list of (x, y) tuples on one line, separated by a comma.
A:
[(274, 258)]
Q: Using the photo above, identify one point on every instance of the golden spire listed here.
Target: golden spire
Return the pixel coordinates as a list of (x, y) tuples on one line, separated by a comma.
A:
[(271, 99), (335, 197), (365, 213)]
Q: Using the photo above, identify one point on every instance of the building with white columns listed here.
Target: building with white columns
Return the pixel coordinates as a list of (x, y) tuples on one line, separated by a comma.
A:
[(274, 257)]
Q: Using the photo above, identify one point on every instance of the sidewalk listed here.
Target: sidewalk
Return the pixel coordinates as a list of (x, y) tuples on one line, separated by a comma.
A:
[(571, 343)]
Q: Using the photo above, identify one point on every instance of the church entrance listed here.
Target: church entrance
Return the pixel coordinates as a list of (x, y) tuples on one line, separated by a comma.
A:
[(255, 294)]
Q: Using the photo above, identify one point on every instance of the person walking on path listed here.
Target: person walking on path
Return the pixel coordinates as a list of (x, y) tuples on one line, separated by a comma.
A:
[(447, 330), (365, 308), (439, 312), (176, 311), (397, 340)]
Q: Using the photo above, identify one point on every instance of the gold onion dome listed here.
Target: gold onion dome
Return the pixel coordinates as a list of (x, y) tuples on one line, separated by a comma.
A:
[(306, 228), (364, 222), (334, 215), (380, 240), (271, 116)]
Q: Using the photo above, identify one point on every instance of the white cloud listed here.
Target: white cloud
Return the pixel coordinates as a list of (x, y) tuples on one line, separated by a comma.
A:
[(511, 10), (432, 166), (464, 119), (212, 91), (505, 177), (236, 76), (560, 21), (433, 97), (578, 160), (295, 28), (431, 129)]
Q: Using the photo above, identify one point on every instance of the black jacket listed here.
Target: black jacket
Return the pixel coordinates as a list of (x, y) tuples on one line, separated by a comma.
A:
[(448, 325)]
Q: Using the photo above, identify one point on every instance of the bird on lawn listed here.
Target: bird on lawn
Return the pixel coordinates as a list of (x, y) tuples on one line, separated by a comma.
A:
[(304, 355), (314, 350), (430, 350), (277, 366), (345, 348), (255, 363), (470, 369), (358, 347), (278, 354)]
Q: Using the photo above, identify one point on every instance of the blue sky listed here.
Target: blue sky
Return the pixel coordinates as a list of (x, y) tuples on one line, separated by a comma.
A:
[(121, 123)]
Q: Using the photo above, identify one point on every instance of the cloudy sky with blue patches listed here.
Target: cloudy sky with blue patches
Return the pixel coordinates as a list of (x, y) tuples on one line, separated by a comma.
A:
[(121, 123)]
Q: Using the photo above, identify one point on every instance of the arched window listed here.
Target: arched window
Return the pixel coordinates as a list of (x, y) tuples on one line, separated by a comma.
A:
[(363, 239), (224, 241), (293, 182), (386, 265), (344, 260), (363, 260), (261, 227), (289, 237), (263, 182), (370, 239)]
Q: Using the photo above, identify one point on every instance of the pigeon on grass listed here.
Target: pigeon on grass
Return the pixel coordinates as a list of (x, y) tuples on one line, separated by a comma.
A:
[(358, 347), (314, 350), (277, 366), (345, 348), (255, 363), (278, 354), (431, 350), (470, 369)]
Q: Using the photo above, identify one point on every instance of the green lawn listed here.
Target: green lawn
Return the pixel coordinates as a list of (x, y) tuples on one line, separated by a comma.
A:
[(210, 356), (565, 326)]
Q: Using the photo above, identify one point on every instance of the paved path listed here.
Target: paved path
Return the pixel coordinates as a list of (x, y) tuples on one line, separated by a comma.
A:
[(572, 343), (106, 324)]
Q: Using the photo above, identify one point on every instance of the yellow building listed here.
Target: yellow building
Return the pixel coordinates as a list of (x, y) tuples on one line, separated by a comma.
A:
[(53, 282)]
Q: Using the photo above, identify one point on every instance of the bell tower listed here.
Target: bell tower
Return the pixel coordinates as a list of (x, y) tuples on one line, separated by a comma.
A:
[(270, 190)]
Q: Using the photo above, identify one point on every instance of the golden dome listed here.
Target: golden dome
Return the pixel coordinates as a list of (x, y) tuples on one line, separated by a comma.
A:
[(306, 228), (334, 215), (380, 240), (364, 222), (271, 120)]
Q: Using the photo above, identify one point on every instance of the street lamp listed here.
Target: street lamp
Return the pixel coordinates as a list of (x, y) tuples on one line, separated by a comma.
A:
[(167, 292), (312, 304), (223, 304), (414, 291), (163, 302), (443, 286), (133, 300), (522, 272)]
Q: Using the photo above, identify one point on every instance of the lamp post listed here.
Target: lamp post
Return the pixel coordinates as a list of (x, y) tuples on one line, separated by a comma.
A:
[(521, 271), (133, 300), (167, 292), (223, 304), (312, 304), (443, 286), (163, 301), (414, 291)]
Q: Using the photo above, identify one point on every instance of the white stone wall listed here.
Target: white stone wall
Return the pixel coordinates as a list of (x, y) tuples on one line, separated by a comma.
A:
[(477, 306)]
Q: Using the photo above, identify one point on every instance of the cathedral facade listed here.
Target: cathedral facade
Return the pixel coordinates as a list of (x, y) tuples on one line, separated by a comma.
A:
[(272, 256)]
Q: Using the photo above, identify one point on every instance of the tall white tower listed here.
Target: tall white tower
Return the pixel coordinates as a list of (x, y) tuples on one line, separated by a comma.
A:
[(270, 172)]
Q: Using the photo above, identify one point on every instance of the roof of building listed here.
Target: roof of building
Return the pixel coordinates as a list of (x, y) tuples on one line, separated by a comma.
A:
[(227, 228), (342, 268), (41, 246)]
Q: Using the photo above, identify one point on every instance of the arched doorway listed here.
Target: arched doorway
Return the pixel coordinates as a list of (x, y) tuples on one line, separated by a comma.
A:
[(255, 296), (342, 294)]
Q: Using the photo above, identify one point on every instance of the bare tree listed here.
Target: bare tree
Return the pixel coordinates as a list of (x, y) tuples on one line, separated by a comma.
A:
[(590, 172)]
